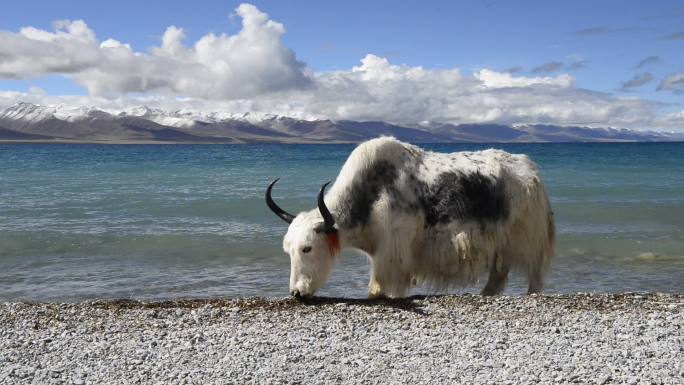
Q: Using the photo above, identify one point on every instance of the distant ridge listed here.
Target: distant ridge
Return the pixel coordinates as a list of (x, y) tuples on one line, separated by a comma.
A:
[(7, 134), (31, 122)]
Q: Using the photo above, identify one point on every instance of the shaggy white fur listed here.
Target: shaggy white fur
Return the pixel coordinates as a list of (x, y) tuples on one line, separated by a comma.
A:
[(378, 200)]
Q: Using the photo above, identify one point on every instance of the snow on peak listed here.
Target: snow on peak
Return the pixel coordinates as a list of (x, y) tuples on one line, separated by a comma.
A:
[(188, 118), (159, 116), (179, 118), (30, 112), (71, 114)]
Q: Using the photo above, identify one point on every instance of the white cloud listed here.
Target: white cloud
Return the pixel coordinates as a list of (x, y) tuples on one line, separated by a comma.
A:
[(253, 71), (673, 82), (494, 79), (252, 62), (32, 52), (111, 43)]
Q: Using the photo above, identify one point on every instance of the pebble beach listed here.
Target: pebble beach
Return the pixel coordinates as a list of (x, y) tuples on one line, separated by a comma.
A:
[(547, 339)]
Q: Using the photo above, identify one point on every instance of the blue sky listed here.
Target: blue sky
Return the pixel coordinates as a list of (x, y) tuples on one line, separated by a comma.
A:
[(599, 44)]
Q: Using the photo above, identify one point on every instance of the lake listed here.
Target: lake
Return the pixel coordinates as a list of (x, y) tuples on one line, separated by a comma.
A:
[(84, 221)]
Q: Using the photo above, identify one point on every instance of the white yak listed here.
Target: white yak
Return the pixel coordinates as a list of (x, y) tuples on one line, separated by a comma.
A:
[(425, 218)]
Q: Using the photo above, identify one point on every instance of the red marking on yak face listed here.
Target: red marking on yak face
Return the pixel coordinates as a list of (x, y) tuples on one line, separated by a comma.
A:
[(333, 240)]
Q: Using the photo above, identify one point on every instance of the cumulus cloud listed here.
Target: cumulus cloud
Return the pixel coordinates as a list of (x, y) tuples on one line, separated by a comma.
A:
[(32, 51), (673, 82), (252, 62), (551, 66), (253, 71), (488, 96), (376, 89), (637, 80), (379, 90)]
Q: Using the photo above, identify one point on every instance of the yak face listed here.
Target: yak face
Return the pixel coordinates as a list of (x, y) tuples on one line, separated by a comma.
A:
[(312, 253), (312, 240)]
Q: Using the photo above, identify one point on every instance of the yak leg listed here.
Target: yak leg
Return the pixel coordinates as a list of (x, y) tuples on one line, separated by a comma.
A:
[(374, 288), (387, 279), (535, 278), (498, 275)]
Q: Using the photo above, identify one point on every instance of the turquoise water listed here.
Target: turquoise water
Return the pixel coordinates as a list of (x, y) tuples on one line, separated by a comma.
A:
[(166, 221)]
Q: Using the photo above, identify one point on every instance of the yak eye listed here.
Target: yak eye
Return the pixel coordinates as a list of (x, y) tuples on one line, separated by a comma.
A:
[(306, 249)]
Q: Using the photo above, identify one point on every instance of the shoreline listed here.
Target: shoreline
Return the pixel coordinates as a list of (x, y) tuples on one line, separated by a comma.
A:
[(590, 300), (561, 338)]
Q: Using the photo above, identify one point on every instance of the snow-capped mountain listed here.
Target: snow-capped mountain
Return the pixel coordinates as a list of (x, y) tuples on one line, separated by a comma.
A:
[(31, 122), (28, 112), (188, 118), (33, 113)]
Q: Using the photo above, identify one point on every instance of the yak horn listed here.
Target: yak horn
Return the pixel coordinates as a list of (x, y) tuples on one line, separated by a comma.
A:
[(325, 213), (282, 214)]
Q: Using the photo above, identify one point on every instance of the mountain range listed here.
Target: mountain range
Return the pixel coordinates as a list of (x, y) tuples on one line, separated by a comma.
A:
[(26, 122)]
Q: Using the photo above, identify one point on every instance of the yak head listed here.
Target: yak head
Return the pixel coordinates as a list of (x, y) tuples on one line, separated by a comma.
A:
[(312, 241)]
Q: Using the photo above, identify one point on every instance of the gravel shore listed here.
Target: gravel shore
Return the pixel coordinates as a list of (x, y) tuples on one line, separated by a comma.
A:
[(580, 338)]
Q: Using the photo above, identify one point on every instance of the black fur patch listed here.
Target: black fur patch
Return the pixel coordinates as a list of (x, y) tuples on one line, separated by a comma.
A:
[(453, 196), (465, 197), (366, 188)]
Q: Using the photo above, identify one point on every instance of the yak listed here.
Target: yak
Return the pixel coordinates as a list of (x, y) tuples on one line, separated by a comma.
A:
[(424, 218)]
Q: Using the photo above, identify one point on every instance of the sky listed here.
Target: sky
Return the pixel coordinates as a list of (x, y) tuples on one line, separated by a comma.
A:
[(607, 63)]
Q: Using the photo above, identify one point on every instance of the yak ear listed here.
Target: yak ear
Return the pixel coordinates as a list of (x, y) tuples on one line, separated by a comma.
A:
[(319, 228)]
